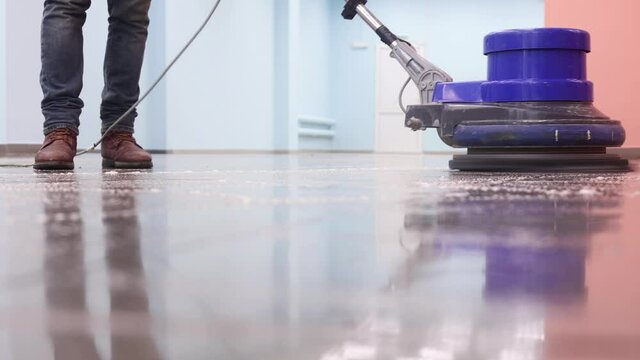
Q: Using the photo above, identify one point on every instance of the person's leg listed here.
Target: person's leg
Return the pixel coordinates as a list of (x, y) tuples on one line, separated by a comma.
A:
[(128, 23), (62, 63), (61, 81)]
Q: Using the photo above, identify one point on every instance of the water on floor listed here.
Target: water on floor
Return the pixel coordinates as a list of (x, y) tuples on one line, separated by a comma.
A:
[(327, 257)]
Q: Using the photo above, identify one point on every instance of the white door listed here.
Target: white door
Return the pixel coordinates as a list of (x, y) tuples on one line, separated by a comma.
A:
[(391, 134)]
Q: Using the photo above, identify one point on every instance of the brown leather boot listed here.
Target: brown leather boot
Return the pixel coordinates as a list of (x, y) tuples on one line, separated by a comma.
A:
[(57, 151), (121, 151)]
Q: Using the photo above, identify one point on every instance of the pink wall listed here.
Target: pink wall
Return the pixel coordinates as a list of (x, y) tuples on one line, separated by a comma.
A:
[(611, 308), (607, 324), (614, 63)]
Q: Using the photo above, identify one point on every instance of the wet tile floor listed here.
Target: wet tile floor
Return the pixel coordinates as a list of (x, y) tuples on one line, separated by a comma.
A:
[(327, 256)]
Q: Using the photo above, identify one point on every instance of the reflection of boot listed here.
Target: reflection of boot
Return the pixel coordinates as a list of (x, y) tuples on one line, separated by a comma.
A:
[(65, 277), (128, 293)]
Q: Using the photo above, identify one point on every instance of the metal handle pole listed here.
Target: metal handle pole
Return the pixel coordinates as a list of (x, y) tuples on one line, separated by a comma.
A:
[(423, 73), (368, 17)]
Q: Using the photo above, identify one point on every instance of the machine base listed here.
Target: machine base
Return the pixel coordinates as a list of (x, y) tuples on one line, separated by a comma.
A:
[(540, 160)]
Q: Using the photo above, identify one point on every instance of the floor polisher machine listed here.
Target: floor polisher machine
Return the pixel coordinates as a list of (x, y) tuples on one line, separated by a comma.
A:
[(534, 113)]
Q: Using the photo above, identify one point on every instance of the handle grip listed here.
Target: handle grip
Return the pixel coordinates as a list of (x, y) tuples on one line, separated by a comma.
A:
[(349, 11)]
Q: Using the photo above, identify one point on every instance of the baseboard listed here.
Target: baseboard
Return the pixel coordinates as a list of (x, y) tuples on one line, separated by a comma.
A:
[(252, 152), (23, 150), (19, 150), (294, 152), (628, 153)]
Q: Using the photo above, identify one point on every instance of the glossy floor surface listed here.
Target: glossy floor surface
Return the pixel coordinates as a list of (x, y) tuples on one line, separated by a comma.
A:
[(328, 257)]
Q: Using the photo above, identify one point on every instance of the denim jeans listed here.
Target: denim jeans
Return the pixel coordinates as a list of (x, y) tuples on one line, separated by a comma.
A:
[(63, 61)]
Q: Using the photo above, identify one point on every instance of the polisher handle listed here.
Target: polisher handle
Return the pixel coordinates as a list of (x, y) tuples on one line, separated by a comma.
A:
[(357, 7), (423, 73), (349, 11)]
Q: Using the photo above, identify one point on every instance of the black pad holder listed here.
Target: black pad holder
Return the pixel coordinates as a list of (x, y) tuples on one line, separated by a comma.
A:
[(517, 147), (587, 160)]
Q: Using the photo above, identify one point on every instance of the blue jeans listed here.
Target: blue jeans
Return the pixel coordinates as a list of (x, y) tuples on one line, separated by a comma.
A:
[(63, 61)]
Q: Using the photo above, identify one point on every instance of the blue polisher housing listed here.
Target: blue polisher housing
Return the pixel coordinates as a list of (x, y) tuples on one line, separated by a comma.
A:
[(541, 69), (546, 64)]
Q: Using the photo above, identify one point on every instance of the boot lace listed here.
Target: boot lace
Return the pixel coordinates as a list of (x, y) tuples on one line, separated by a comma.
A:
[(120, 137), (63, 134)]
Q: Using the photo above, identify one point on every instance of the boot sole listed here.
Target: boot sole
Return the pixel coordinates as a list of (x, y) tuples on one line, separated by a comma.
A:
[(54, 165), (111, 164)]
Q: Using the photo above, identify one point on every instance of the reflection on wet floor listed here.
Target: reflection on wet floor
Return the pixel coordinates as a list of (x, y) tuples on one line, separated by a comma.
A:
[(127, 292), (534, 244), (325, 257), (65, 275)]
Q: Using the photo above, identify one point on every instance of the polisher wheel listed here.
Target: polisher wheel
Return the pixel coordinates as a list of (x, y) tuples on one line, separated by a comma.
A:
[(540, 160)]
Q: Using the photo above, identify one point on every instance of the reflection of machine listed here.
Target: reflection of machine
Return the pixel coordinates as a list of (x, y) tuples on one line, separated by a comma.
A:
[(557, 273), (535, 112), (534, 245), (494, 258), (486, 263)]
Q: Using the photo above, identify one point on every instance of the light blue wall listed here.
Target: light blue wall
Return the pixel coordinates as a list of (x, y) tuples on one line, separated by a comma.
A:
[(260, 65), (22, 49), (221, 95), (353, 82), (22, 44), (314, 81), (286, 15), (151, 125), (451, 31), (3, 75), (314, 86)]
